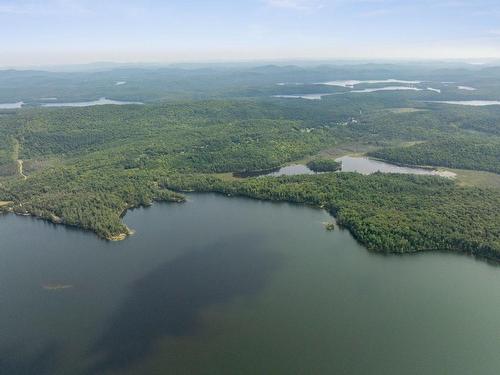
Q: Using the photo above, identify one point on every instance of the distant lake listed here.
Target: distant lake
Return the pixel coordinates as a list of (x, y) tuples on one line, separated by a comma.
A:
[(101, 101), (303, 96), (474, 103), (260, 288), (388, 88), (350, 83), (320, 96), (435, 90), (11, 105)]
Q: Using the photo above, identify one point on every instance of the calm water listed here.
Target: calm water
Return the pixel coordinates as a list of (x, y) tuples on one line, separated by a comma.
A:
[(358, 164), (366, 165), (291, 170), (101, 101), (473, 103), (388, 88), (234, 286), (320, 96), (350, 83), (303, 96), (11, 105)]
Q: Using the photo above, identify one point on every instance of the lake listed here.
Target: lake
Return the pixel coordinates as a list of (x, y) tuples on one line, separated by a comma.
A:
[(291, 170), (366, 165), (358, 164), (320, 96), (101, 101), (388, 88), (11, 105), (235, 286), (473, 103), (350, 83), (303, 96)]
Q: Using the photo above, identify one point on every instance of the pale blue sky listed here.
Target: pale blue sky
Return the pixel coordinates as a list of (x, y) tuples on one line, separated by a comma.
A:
[(73, 31)]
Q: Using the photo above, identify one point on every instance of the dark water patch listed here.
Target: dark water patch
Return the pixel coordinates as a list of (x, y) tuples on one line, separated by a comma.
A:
[(262, 172), (289, 170), (168, 301), (17, 360)]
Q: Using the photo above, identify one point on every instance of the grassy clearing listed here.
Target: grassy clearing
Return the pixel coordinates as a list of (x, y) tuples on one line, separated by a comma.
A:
[(405, 110), (477, 178)]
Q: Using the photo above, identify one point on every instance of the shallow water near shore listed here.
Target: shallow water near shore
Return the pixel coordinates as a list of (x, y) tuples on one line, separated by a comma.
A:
[(236, 286)]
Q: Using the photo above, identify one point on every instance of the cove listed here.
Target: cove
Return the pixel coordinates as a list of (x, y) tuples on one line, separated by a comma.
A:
[(236, 286)]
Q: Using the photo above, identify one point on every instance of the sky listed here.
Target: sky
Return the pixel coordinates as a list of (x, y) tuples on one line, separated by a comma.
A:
[(82, 31)]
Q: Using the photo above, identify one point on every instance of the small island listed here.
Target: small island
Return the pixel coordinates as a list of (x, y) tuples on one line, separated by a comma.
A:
[(324, 165), (329, 226)]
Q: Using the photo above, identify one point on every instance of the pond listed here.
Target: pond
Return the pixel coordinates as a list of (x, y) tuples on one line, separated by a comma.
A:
[(360, 164), (366, 165)]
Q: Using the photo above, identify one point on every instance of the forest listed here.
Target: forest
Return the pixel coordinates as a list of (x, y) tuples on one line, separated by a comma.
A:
[(453, 152), (87, 166)]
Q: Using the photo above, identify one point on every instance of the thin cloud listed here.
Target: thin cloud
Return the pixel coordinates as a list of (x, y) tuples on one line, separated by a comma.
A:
[(306, 5), (47, 8)]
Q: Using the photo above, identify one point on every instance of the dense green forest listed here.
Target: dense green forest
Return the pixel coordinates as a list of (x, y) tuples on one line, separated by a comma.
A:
[(86, 166), (453, 152)]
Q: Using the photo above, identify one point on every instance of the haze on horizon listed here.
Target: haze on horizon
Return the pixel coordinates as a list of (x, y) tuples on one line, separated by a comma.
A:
[(55, 32)]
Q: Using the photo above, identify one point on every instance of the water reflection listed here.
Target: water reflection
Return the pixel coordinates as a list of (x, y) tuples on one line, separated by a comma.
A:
[(366, 165), (168, 301), (358, 164), (15, 360)]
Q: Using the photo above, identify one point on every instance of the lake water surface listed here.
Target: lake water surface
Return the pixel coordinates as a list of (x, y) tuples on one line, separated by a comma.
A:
[(236, 286), (473, 103), (358, 164), (319, 96), (303, 96), (350, 83), (291, 170), (101, 101), (11, 105), (366, 165)]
